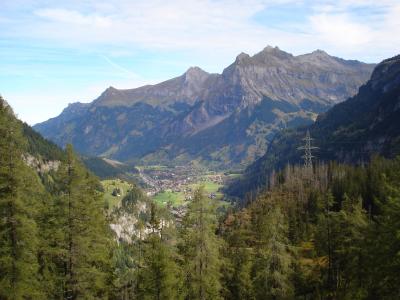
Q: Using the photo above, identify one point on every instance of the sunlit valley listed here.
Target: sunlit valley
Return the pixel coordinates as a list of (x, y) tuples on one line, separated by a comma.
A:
[(275, 175)]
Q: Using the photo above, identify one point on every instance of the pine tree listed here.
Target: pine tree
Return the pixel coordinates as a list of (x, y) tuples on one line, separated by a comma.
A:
[(325, 242), (200, 249), (18, 209), (81, 241), (351, 228), (273, 261), (384, 239), (160, 272), (340, 237), (238, 257)]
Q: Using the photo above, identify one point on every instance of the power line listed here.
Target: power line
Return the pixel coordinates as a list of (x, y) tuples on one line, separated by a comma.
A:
[(307, 151)]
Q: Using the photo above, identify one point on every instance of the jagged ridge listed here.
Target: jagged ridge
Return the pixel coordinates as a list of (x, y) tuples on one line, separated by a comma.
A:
[(169, 121)]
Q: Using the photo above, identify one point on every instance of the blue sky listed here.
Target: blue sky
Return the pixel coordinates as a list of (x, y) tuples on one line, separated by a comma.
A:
[(56, 52)]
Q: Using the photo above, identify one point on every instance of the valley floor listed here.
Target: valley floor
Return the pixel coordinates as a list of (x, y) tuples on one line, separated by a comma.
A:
[(172, 186)]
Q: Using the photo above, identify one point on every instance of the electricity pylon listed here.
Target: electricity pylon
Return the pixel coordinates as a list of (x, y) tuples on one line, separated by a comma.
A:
[(307, 151)]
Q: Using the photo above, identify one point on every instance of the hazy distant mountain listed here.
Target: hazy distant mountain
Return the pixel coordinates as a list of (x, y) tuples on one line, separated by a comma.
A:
[(351, 132), (220, 119)]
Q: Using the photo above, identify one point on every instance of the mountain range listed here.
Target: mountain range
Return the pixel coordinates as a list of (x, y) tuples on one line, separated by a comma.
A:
[(221, 120), (352, 132)]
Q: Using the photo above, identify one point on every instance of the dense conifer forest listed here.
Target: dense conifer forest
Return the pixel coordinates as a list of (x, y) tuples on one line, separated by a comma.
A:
[(326, 232)]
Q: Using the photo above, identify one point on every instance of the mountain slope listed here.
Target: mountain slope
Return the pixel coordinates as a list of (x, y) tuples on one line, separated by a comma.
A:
[(223, 119), (43, 155), (351, 132)]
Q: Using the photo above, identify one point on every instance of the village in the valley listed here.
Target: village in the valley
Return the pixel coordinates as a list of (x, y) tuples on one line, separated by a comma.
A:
[(173, 187), (179, 179)]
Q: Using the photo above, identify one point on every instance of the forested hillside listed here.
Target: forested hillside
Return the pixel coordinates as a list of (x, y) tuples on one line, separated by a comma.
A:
[(43, 153), (325, 232), (55, 242)]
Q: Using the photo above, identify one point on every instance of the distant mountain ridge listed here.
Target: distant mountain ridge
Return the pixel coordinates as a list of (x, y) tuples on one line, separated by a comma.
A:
[(184, 88), (350, 132), (222, 119)]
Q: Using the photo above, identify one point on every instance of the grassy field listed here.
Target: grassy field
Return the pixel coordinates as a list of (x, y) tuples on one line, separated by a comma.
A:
[(209, 187), (109, 185), (178, 198), (164, 197)]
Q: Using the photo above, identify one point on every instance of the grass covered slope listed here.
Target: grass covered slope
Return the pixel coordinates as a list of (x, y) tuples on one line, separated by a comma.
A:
[(114, 191)]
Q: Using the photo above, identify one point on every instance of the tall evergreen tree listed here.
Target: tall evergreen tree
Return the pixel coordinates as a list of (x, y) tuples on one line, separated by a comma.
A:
[(238, 254), (351, 228), (200, 249), (384, 240), (160, 273), (273, 261), (81, 241)]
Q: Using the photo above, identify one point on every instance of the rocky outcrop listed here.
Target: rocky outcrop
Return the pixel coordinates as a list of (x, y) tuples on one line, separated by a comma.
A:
[(40, 165)]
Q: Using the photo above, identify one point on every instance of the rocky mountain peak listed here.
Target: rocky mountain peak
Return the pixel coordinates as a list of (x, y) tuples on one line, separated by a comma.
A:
[(270, 52), (319, 52), (195, 70), (110, 92), (242, 57), (269, 48), (195, 74), (320, 56), (113, 96)]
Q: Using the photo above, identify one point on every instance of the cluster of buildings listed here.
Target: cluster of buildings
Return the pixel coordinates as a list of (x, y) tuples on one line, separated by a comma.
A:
[(178, 180)]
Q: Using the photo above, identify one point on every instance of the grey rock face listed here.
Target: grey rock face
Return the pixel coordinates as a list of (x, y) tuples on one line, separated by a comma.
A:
[(185, 88), (157, 122), (272, 73)]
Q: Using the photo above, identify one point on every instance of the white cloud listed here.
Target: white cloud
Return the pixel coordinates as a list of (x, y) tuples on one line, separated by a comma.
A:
[(153, 24), (340, 31), (73, 17), (370, 35), (221, 27)]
